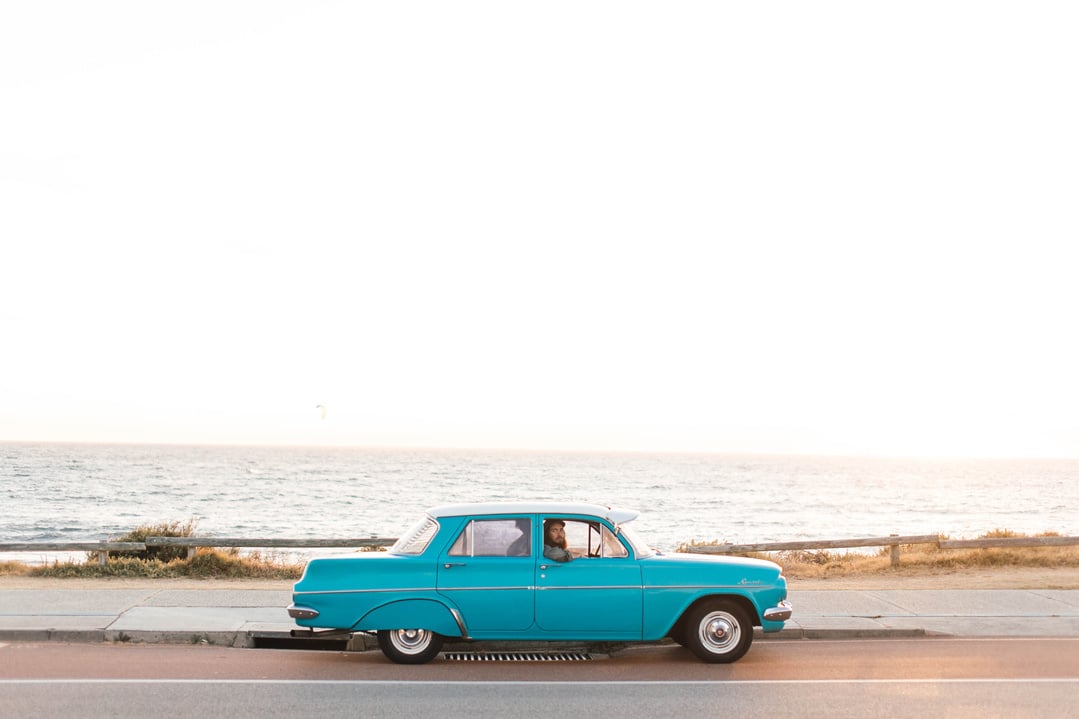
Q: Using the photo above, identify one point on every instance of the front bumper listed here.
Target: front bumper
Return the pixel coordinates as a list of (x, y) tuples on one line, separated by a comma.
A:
[(780, 613)]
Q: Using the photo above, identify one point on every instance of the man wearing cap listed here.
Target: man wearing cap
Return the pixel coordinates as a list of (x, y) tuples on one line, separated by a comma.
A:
[(554, 541)]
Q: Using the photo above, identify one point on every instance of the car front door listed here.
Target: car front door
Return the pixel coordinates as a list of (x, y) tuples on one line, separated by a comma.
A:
[(487, 574), (598, 592)]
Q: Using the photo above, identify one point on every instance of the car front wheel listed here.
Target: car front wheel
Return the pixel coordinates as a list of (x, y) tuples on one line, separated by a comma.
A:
[(718, 631), (409, 646)]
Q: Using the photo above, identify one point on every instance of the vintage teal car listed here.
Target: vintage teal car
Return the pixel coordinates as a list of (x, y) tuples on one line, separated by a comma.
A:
[(509, 571)]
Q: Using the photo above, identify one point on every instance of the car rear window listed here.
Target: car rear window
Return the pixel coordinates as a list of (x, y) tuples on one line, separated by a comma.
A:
[(416, 539)]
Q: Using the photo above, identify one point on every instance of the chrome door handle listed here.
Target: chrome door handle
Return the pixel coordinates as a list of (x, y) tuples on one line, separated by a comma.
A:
[(448, 565)]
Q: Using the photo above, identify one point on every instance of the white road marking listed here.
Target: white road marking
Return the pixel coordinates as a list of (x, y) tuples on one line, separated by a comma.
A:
[(404, 682)]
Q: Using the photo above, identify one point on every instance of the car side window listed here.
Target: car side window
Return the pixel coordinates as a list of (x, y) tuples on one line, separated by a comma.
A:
[(494, 538), (610, 546), (592, 539)]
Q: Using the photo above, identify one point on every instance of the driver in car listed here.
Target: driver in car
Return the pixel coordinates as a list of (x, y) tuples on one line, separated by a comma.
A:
[(554, 541)]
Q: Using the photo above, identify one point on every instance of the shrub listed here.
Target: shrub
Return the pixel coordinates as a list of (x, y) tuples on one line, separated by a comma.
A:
[(175, 528)]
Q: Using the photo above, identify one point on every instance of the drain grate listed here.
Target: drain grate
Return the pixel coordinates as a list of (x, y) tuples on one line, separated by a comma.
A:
[(518, 657), (334, 645)]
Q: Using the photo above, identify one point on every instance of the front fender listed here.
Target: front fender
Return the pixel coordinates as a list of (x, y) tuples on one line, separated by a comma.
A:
[(412, 614)]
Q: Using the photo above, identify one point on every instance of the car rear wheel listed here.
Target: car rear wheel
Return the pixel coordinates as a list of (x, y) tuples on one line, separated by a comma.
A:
[(409, 646), (718, 631)]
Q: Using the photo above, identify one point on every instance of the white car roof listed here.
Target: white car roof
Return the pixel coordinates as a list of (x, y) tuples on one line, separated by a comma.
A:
[(612, 514)]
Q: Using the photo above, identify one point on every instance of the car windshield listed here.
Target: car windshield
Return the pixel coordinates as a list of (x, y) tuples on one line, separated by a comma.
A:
[(416, 539), (640, 547)]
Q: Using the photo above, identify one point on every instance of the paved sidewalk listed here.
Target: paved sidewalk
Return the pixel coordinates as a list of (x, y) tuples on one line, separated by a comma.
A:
[(235, 617)]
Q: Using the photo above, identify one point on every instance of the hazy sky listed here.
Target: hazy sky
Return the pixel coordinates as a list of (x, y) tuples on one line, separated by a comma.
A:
[(836, 227)]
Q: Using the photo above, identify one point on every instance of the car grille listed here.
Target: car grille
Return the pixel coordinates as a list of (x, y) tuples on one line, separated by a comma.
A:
[(518, 656)]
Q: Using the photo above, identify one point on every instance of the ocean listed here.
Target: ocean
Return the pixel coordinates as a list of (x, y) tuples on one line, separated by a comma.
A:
[(89, 492)]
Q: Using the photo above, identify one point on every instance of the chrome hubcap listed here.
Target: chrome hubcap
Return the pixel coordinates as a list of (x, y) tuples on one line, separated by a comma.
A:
[(410, 641), (719, 632)]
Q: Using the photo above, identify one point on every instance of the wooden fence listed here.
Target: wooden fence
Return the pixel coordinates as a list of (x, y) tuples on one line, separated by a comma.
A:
[(191, 544), (892, 541)]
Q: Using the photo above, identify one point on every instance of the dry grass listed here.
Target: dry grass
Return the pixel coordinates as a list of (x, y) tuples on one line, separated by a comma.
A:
[(925, 557), (167, 561), (206, 564), (13, 569)]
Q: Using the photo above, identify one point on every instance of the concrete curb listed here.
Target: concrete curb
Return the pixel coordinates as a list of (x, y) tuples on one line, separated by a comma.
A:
[(71, 636), (799, 633), (101, 636)]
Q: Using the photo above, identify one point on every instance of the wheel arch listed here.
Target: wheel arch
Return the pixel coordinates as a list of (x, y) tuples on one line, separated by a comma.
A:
[(741, 600), (413, 614)]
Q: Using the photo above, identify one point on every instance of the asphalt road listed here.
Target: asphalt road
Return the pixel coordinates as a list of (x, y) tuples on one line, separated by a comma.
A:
[(895, 678)]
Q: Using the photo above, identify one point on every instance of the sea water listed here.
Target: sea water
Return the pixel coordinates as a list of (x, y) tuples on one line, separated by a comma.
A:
[(90, 492)]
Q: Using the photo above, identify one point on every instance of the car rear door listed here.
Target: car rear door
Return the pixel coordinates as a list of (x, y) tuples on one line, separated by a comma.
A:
[(487, 574)]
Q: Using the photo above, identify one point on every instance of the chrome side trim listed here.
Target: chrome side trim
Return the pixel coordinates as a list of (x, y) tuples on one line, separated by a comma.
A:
[(365, 591), (409, 589), (485, 589), (593, 588), (298, 612), (780, 613), (460, 623), (743, 587), (647, 587)]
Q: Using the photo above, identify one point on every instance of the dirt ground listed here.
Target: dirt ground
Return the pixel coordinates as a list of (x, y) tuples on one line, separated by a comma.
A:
[(981, 578)]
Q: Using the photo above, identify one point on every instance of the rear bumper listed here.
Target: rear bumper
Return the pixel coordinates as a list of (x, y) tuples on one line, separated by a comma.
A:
[(298, 612)]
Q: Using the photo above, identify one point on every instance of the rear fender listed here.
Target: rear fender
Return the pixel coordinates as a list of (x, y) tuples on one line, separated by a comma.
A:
[(412, 614)]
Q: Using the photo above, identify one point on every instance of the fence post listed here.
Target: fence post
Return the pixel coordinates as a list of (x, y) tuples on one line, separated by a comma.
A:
[(894, 552), (103, 557)]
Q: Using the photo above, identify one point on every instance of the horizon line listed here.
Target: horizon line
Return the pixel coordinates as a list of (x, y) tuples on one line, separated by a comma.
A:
[(559, 450)]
